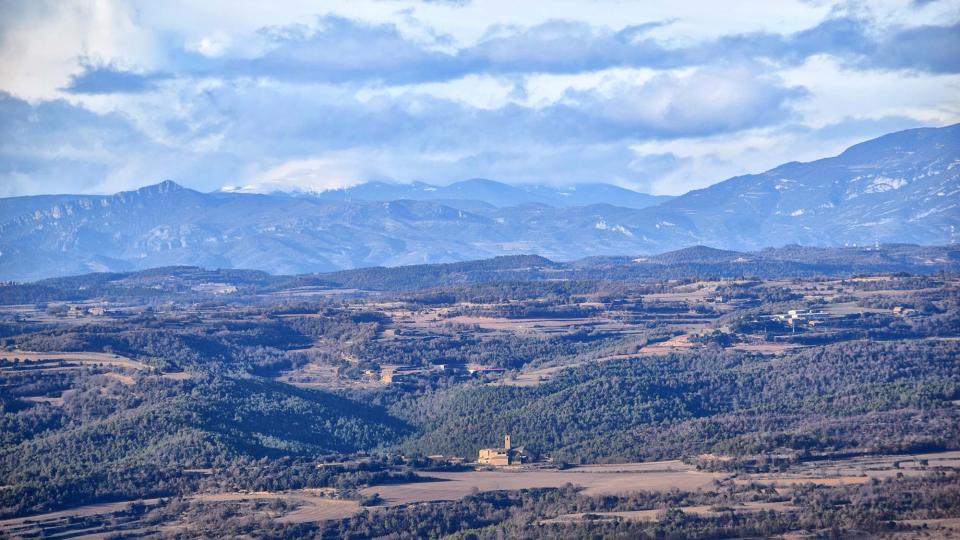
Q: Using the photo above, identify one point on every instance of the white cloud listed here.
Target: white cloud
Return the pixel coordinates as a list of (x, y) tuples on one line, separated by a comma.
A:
[(541, 104), (836, 92), (313, 174), (44, 43)]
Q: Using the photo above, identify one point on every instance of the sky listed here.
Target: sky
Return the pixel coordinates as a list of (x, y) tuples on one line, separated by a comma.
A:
[(663, 97)]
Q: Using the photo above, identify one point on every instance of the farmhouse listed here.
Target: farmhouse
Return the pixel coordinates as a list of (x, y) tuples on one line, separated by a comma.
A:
[(501, 456), (790, 317)]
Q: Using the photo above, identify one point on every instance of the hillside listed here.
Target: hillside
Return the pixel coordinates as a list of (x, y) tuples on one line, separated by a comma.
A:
[(655, 408), (687, 263), (901, 187)]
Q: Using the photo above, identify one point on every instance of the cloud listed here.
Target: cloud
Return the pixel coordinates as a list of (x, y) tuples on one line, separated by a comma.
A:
[(226, 133), (652, 98), (567, 47), (44, 42), (312, 174), (705, 102), (100, 79), (341, 50), (337, 50), (935, 49), (278, 122), (58, 147)]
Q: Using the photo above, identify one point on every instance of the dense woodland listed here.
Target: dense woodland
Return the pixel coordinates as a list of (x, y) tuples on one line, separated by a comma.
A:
[(240, 380), (856, 395)]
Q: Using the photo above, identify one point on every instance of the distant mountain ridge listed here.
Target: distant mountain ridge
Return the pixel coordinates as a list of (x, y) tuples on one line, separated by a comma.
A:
[(904, 186), (489, 192), (900, 188), (694, 262)]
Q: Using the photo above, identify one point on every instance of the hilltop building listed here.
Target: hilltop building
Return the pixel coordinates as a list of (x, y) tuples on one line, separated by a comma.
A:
[(502, 456), (794, 316)]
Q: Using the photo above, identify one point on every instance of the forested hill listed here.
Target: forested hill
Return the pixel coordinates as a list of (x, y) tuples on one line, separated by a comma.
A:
[(180, 381), (844, 397), (689, 263)]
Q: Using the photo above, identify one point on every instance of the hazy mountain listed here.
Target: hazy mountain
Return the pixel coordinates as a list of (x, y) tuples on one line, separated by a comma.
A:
[(902, 187), (496, 194), (166, 224)]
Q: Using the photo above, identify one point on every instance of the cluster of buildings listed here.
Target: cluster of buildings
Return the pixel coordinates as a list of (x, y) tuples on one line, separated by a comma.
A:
[(77, 311), (500, 457), (808, 316), (391, 374)]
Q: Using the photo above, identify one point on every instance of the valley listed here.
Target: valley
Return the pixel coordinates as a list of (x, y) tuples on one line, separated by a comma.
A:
[(692, 391), (479, 270)]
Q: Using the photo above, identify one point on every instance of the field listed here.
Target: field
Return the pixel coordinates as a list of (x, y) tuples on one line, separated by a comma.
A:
[(66, 360), (657, 476), (114, 366), (654, 515), (312, 505), (318, 505), (596, 479)]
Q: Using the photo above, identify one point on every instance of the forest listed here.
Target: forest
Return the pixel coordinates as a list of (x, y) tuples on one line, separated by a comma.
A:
[(161, 389)]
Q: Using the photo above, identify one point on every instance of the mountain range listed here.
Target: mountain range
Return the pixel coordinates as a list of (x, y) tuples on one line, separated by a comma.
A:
[(902, 187), (469, 193)]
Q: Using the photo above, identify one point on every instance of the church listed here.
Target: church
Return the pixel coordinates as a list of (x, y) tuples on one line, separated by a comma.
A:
[(501, 456)]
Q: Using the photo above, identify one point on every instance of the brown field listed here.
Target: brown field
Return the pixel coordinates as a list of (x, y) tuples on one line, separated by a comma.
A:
[(302, 292), (654, 515), (766, 348), (55, 401), (433, 318), (13, 526), (107, 359), (532, 377), (655, 476), (856, 470), (68, 361), (517, 325), (674, 344), (535, 376), (541, 326), (321, 504), (596, 479), (313, 504), (125, 379)]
